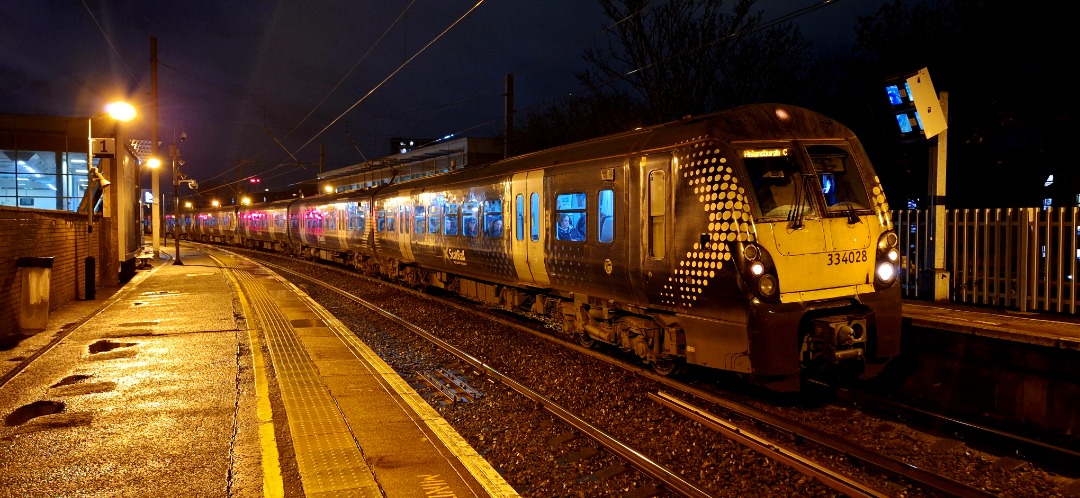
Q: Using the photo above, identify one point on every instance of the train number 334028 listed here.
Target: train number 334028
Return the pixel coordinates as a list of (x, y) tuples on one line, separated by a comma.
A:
[(841, 258)]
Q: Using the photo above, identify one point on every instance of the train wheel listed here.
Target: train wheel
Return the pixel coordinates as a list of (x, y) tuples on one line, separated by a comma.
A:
[(586, 340), (666, 366)]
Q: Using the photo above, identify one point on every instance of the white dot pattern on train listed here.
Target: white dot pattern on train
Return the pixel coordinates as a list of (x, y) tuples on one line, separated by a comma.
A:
[(709, 177), (881, 206)]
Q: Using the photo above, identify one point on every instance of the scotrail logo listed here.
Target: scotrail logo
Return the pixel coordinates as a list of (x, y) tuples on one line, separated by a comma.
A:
[(456, 256)]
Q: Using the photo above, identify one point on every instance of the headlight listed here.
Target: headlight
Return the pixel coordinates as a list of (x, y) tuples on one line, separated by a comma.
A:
[(888, 240), (767, 285), (751, 252), (886, 272), (893, 255), (888, 257), (757, 268)]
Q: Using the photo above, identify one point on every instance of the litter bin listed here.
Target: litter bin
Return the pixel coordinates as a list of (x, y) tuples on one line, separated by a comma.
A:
[(34, 312)]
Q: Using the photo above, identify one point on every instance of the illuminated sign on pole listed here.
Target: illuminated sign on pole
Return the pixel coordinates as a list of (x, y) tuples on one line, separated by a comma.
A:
[(915, 106)]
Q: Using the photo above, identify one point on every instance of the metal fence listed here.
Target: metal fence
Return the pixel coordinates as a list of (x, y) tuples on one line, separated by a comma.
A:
[(1014, 258)]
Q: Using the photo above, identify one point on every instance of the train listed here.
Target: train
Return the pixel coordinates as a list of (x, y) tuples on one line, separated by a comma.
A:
[(755, 240)]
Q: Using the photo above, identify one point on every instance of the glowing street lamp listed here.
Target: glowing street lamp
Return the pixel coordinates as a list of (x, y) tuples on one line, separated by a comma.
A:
[(120, 111)]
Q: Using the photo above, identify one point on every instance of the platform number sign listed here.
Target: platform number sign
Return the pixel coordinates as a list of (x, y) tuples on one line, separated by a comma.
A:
[(104, 147)]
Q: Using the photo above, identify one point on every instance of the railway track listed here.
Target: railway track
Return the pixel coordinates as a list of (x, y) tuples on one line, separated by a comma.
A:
[(453, 387), (794, 436)]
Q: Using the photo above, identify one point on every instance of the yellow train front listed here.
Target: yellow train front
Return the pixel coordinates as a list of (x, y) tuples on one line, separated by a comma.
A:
[(755, 240), (782, 257)]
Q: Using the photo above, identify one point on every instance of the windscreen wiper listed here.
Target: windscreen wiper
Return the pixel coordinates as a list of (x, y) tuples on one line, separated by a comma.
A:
[(795, 215)]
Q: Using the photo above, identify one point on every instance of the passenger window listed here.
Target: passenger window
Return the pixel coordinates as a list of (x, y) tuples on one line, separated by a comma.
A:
[(470, 221), (450, 221), (519, 218), (657, 214), (421, 220), (605, 207), (433, 219), (493, 219), (570, 219), (534, 218), (361, 219)]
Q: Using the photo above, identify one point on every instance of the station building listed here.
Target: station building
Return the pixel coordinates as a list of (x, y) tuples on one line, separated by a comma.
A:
[(52, 206)]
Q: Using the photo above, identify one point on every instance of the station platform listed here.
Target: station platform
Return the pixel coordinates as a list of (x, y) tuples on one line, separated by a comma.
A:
[(215, 377), (1031, 328)]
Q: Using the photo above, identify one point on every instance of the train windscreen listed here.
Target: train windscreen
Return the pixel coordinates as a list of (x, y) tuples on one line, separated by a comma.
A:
[(785, 189)]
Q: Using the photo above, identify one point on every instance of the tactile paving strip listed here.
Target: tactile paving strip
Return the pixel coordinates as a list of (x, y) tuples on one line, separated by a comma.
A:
[(329, 459)]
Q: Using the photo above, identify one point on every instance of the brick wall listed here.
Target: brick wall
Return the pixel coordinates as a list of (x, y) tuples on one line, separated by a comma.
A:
[(42, 233)]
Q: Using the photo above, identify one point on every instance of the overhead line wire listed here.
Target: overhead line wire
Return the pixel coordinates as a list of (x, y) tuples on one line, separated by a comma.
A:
[(392, 74)]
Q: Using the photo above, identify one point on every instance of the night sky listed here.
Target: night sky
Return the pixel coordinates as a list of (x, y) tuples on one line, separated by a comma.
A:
[(241, 76)]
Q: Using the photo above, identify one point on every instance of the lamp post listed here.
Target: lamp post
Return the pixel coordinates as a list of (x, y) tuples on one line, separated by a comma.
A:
[(178, 178), (173, 153), (120, 111)]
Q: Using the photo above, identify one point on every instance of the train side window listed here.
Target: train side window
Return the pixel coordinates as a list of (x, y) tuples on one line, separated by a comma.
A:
[(493, 218), (605, 207), (420, 223), (433, 218), (534, 218), (570, 222), (380, 221), (470, 221), (450, 220), (519, 217), (657, 214)]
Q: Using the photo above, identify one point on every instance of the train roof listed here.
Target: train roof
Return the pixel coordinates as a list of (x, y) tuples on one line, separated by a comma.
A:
[(767, 121)]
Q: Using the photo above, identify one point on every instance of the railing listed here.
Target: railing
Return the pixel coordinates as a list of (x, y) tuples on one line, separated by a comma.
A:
[(1016, 258)]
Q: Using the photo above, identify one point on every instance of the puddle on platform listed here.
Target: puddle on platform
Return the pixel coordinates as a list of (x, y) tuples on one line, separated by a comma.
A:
[(105, 346), (25, 413)]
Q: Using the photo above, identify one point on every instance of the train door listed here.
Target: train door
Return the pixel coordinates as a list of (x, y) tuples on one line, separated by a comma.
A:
[(529, 230), (405, 232), (657, 226)]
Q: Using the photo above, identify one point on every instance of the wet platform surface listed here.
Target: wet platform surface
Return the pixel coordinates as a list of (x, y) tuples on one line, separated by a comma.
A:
[(218, 378)]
